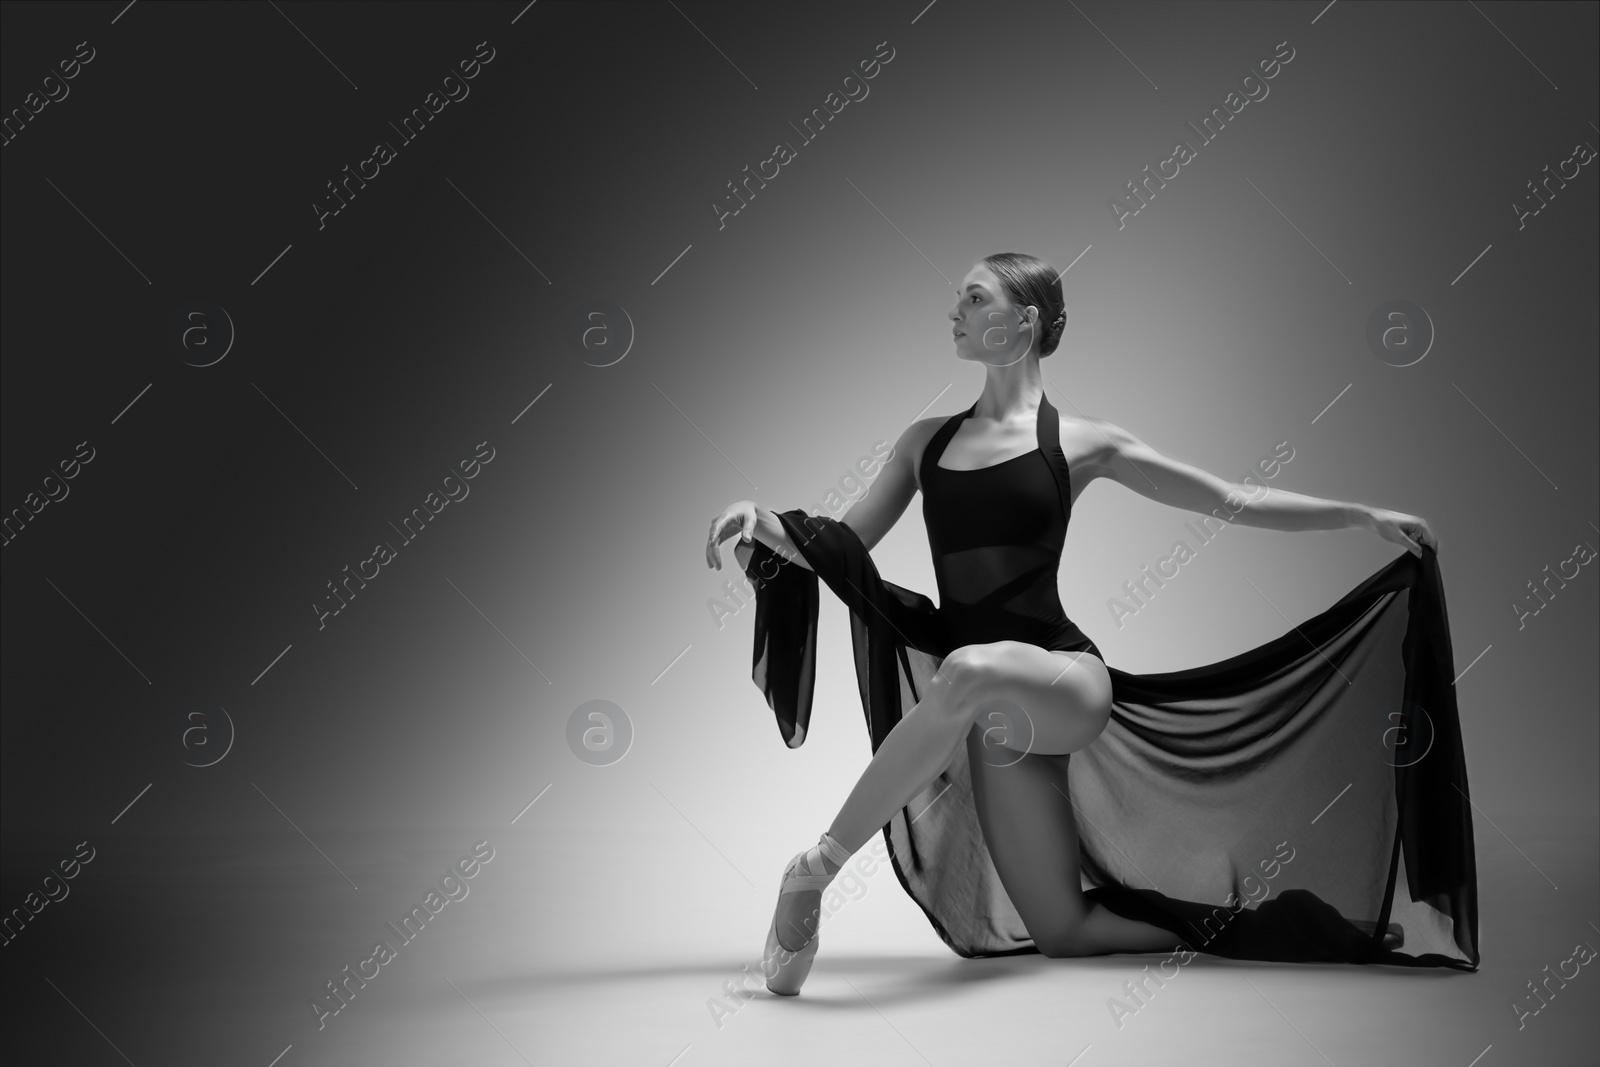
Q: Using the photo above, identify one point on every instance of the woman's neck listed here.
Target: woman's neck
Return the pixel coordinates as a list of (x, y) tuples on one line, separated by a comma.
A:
[(1010, 392)]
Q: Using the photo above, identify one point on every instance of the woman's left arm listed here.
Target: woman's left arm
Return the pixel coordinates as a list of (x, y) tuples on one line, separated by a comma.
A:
[(1130, 462)]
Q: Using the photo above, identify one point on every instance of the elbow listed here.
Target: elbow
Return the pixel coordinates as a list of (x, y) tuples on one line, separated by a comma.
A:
[(865, 533), (1234, 506), (1250, 489)]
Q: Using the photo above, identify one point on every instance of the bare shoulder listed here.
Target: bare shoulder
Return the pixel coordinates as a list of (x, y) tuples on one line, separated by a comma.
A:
[(914, 441), (1089, 444)]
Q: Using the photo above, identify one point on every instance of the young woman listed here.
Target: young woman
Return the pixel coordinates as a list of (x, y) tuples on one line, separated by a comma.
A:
[(999, 481)]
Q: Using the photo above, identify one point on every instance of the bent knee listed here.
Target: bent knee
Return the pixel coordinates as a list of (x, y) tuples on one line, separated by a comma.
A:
[(1090, 684), (968, 671)]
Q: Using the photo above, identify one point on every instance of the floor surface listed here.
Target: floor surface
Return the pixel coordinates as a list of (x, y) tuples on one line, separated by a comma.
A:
[(579, 945)]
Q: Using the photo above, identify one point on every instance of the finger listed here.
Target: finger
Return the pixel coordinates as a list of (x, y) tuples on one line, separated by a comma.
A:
[(749, 527)]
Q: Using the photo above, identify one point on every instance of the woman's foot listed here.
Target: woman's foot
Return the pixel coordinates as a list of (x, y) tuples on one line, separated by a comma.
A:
[(800, 898), (1394, 934), (792, 938)]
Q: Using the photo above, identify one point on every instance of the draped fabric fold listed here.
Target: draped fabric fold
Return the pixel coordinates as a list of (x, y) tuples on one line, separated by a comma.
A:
[(1305, 800)]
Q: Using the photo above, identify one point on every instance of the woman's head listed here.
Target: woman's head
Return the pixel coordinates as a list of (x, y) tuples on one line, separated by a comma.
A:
[(1009, 304)]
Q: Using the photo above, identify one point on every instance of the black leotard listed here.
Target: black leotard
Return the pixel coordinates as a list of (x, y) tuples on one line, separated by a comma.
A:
[(996, 534)]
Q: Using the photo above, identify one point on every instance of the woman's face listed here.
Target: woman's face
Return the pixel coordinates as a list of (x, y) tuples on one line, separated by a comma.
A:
[(987, 327)]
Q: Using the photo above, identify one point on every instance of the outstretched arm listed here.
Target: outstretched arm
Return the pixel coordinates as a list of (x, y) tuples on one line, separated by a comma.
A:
[(1130, 462)]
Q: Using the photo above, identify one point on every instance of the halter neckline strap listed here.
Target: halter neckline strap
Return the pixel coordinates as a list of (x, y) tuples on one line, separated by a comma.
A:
[(1047, 431)]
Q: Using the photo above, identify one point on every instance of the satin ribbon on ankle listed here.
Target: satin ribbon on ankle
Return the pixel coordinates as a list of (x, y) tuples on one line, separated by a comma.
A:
[(833, 850)]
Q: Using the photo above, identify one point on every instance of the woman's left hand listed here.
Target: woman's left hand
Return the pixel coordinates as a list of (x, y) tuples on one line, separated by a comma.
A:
[(1410, 532)]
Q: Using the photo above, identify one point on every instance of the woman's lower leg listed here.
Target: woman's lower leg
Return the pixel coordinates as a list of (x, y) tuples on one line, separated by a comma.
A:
[(1025, 811), (1103, 931), (921, 745)]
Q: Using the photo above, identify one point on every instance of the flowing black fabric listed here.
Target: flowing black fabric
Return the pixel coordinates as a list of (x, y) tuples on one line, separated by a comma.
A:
[(1289, 803)]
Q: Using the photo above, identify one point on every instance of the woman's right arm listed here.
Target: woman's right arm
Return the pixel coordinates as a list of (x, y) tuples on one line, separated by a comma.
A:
[(870, 517), (873, 515)]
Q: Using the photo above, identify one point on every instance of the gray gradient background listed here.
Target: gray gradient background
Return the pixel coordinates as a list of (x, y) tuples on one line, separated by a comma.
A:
[(409, 329)]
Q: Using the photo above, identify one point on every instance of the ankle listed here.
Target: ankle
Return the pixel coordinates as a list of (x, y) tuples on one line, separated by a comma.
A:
[(834, 855)]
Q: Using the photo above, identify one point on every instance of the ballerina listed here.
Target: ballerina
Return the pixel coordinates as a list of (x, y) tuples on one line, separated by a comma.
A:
[(998, 483)]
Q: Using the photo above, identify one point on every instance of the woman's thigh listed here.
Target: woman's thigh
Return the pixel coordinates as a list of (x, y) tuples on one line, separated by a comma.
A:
[(1031, 700), (1027, 822)]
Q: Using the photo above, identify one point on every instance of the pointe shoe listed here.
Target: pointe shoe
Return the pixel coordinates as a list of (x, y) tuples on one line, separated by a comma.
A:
[(786, 969)]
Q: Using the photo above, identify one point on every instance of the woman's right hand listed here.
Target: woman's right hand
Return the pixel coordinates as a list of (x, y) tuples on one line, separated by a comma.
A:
[(739, 518)]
